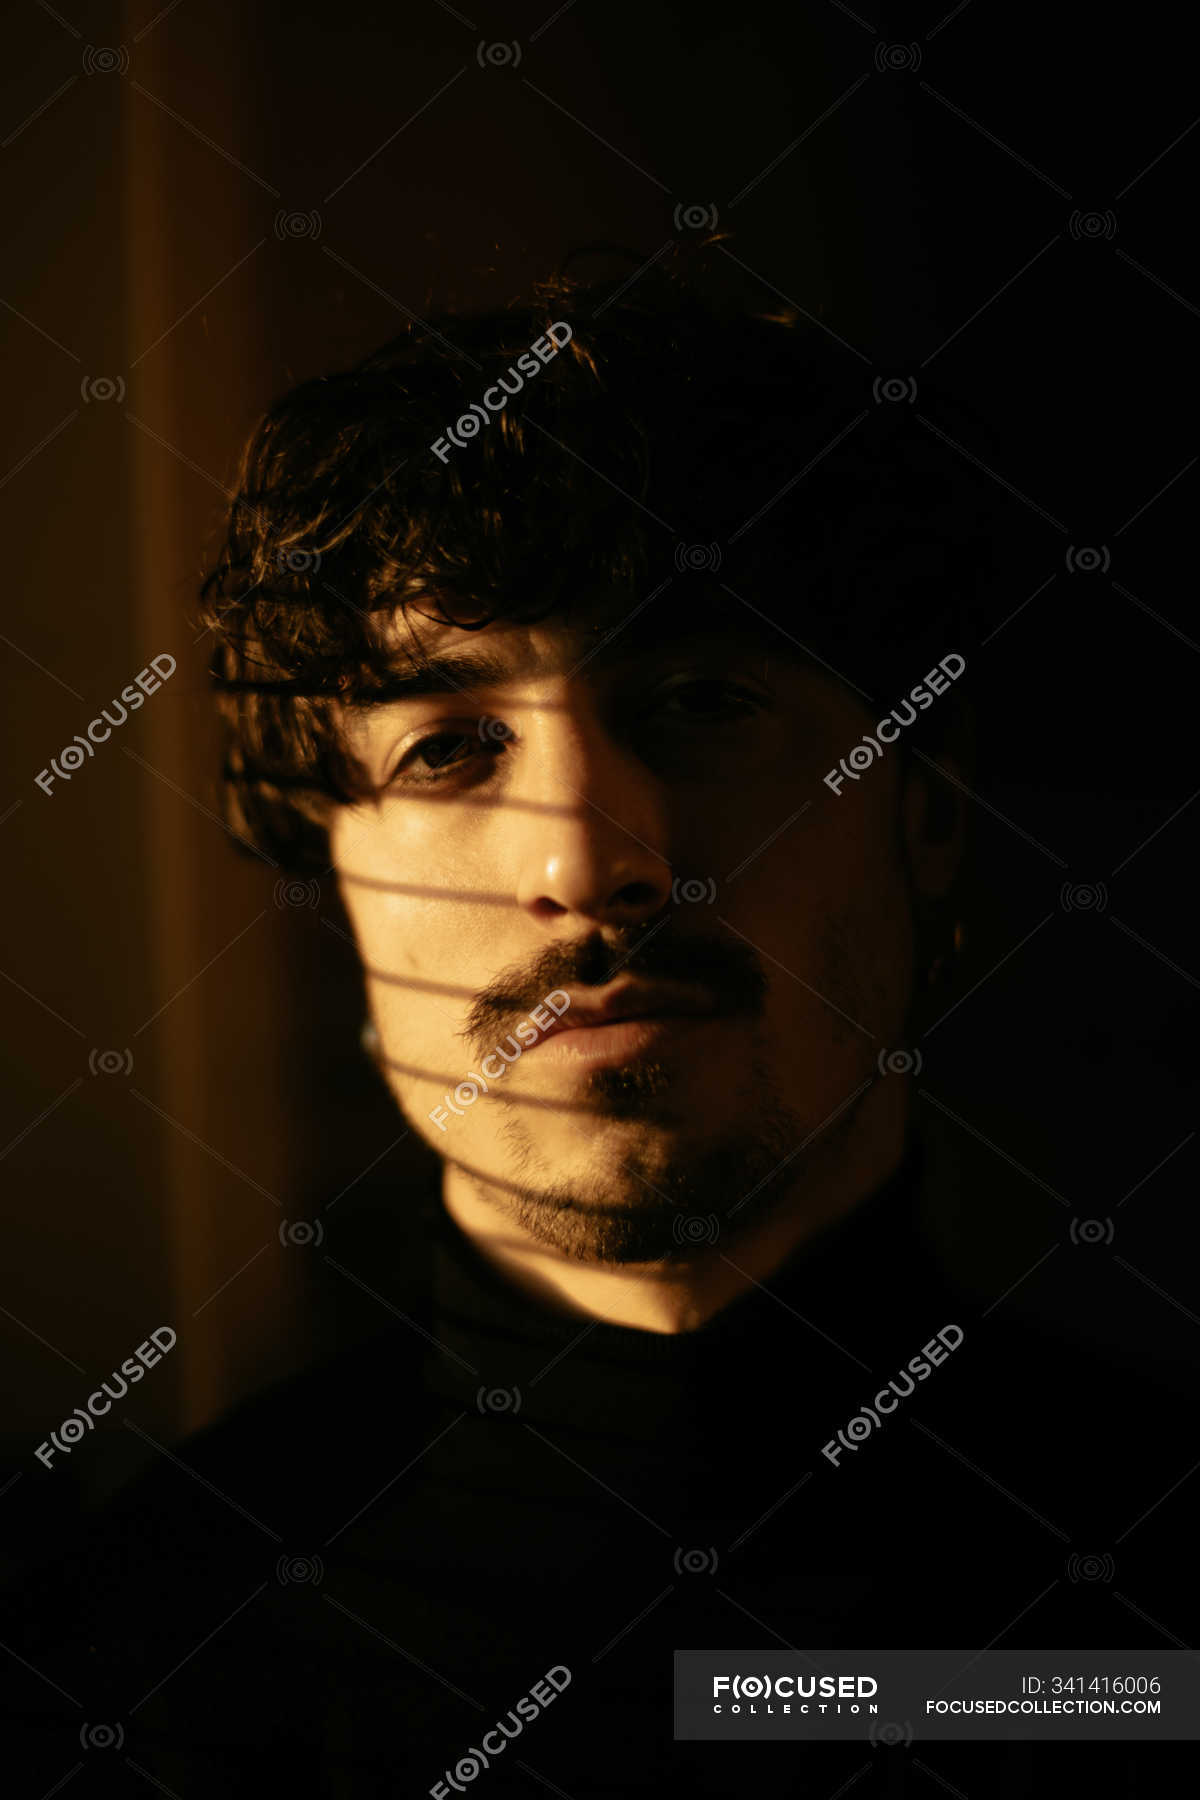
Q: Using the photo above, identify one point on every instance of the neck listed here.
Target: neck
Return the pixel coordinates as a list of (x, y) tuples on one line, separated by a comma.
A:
[(680, 1296)]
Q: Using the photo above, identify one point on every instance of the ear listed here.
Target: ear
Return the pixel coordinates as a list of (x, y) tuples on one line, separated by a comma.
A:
[(933, 821)]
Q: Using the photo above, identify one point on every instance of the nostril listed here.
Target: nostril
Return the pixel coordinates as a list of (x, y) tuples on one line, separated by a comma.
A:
[(545, 908), (635, 893)]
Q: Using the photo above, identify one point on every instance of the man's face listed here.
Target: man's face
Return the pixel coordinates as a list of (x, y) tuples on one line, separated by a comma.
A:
[(634, 820)]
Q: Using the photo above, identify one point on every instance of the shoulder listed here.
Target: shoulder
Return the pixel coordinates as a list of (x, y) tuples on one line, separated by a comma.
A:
[(1060, 1422), (254, 1488)]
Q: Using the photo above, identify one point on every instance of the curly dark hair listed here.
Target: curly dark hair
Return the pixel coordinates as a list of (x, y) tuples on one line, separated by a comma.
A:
[(746, 457)]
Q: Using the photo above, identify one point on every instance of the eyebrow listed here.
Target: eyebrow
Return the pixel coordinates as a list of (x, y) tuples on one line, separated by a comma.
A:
[(470, 672), (466, 673)]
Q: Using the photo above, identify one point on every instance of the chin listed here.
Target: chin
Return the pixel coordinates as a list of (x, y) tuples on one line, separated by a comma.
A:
[(615, 1233), (638, 1199), (617, 1163)]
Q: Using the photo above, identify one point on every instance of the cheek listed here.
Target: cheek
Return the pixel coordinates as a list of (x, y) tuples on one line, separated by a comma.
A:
[(836, 914), (875, 932), (394, 948), (418, 955)]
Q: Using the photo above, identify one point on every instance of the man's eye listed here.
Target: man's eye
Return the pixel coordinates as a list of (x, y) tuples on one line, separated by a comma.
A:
[(437, 752), (442, 755), (710, 697)]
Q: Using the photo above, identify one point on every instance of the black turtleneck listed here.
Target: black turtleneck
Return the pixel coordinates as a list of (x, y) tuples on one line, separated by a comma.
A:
[(345, 1583)]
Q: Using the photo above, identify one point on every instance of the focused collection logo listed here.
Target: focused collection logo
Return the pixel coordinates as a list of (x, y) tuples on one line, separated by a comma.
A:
[(918, 1368), (919, 699)]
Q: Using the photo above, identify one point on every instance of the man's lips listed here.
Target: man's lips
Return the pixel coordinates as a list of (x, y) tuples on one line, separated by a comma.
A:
[(615, 1026), (624, 1040), (595, 1009)]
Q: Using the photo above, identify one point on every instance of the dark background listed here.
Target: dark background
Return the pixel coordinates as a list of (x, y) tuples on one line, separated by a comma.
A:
[(207, 205)]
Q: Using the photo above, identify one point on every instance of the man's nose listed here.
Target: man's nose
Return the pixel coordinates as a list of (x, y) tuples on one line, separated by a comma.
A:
[(593, 828)]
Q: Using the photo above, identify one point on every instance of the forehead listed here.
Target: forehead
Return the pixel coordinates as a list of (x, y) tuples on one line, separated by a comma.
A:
[(604, 627), (582, 620)]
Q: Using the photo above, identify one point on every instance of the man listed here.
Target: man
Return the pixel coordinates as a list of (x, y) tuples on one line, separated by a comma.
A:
[(609, 651)]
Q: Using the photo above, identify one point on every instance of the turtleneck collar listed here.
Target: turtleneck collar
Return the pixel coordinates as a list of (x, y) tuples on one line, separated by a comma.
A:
[(532, 1396), (857, 1265)]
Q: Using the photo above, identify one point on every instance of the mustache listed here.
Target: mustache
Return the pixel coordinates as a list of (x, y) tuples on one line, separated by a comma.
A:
[(727, 971)]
